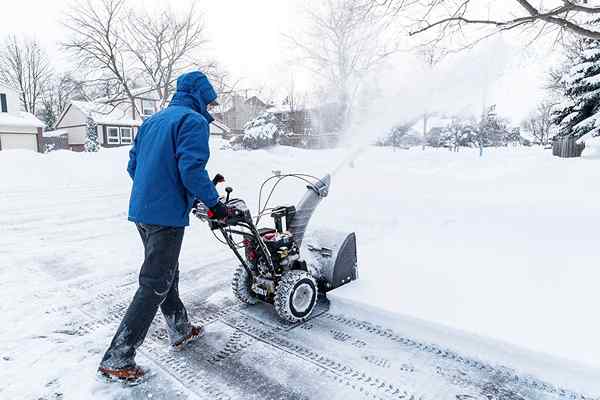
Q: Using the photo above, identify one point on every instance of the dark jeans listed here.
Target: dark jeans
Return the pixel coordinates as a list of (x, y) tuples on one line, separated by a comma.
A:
[(158, 287)]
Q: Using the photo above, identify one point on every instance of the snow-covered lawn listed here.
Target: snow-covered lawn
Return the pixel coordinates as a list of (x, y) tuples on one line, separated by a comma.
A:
[(504, 246)]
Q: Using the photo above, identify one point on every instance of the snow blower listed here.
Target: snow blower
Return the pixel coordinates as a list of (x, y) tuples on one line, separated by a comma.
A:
[(284, 265)]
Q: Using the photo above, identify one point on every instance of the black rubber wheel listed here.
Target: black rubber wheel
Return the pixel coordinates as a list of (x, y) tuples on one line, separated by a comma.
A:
[(296, 296), (242, 286)]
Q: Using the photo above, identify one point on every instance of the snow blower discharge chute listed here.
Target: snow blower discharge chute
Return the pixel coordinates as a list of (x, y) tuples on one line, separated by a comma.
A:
[(285, 265)]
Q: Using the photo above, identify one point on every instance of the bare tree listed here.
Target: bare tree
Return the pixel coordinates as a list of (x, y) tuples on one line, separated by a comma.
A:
[(431, 57), (57, 94), (222, 81), (344, 41), (162, 45), (294, 99), (97, 41), (444, 18), (25, 67), (539, 123)]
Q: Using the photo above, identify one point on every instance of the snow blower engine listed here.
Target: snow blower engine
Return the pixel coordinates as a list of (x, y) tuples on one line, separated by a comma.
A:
[(281, 265)]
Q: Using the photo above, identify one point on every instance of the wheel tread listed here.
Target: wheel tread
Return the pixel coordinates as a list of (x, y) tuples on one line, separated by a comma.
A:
[(240, 284), (283, 295)]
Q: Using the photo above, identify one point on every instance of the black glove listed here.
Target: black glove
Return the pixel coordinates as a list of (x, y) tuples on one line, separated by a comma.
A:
[(218, 211), (218, 179)]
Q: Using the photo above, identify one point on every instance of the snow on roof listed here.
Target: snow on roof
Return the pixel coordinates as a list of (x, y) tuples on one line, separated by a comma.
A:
[(146, 92), (221, 125), (20, 119), (106, 114), (55, 133), (6, 86)]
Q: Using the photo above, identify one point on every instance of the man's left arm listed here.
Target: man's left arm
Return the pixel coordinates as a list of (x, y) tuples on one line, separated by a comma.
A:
[(132, 164)]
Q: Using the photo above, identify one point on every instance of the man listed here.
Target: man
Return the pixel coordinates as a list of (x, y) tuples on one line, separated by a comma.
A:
[(167, 164)]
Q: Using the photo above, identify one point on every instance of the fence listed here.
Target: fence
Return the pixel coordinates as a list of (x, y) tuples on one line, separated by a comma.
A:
[(567, 148), (55, 143)]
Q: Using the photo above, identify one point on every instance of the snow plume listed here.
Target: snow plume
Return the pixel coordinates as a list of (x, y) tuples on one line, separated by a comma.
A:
[(405, 89)]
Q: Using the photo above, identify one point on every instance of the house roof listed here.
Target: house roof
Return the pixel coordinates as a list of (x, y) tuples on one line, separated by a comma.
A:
[(6, 86), (255, 101), (145, 93), (20, 119), (105, 114), (221, 125)]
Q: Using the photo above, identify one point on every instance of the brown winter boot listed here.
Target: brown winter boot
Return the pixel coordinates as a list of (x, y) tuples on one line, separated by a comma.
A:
[(195, 333), (130, 376)]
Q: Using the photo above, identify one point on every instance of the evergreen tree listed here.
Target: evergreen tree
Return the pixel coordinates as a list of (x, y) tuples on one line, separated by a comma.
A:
[(580, 113), (91, 140)]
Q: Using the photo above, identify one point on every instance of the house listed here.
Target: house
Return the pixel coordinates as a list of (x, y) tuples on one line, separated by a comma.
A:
[(116, 120), (240, 111), (147, 101), (114, 124), (18, 129), (430, 122)]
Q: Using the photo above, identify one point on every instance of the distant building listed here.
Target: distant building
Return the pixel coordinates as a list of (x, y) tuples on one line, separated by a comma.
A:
[(241, 110), (115, 125), (18, 129), (117, 121), (314, 127)]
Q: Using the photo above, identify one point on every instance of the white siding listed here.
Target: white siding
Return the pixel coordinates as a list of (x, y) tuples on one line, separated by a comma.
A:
[(73, 117), (9, 141), (12, 99), (76, 135)]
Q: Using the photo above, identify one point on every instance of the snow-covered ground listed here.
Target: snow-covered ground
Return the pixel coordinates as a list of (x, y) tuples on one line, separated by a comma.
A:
[(503, 248)]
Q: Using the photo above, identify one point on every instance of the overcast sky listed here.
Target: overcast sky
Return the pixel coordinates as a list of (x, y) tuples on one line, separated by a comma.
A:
[(247, 37)]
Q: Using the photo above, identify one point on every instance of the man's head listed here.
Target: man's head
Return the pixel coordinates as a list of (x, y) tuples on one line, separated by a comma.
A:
[(197, 84)]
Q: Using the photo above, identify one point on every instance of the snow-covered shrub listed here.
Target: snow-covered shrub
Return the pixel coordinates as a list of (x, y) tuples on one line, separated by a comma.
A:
[(263, 131), (48, 147), (400, 136)]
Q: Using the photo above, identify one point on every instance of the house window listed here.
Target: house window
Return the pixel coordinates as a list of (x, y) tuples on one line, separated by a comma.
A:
[(113, 136), (126, 136), (147, 108), (3, 106), (119, 135)]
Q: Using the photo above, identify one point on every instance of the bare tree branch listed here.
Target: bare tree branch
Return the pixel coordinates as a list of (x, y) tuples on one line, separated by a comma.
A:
[(25, 67), (345, 41), (445, 18), (163, 45), (97, 41)]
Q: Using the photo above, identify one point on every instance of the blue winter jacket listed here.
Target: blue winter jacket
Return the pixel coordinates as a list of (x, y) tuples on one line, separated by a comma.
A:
[(169, 155)]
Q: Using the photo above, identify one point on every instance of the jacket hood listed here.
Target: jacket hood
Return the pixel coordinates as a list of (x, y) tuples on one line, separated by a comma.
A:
[(194, 90)]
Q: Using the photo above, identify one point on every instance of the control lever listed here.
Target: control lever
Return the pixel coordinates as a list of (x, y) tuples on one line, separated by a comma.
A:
[(218, 179), (228, 189)]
